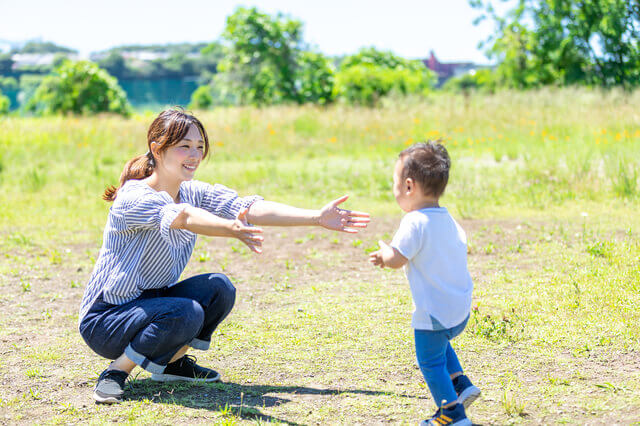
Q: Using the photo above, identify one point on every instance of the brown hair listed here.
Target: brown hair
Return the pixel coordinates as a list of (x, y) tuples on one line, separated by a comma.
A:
[(169, 128), (428, 164)]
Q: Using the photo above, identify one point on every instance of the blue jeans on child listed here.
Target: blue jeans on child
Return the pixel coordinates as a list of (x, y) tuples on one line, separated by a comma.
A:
[(153, 327), (438, 360)]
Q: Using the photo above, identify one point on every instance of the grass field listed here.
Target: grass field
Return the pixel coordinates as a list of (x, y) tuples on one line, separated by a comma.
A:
[(545, 184)]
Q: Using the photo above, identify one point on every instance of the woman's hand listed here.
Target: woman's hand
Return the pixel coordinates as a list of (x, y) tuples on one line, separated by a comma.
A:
[(241, 230), (337, 219)]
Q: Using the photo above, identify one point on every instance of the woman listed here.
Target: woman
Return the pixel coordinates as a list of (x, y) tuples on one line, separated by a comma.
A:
[(134, 311)]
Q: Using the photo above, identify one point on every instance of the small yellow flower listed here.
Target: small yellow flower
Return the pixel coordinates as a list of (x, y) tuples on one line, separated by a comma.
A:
[(218, 143), (408, 141), (416, 121), (333, 139), (532, 133), (618, 136), (272, 132)]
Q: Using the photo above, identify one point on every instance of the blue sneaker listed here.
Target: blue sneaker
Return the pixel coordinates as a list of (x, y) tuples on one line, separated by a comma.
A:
[(454, 416), (466, 391)]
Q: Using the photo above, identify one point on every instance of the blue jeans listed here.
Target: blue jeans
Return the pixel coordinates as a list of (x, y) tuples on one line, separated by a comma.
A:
[(438, 360), (153, 327)]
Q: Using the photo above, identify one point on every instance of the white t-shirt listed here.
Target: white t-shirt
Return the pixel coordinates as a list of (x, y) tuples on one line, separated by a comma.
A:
[(436, 247)]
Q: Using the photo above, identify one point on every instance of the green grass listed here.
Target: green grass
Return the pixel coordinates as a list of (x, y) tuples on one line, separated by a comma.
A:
[(545, 183)]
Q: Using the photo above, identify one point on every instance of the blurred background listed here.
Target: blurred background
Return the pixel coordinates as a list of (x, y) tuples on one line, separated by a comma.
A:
[(270, 52)]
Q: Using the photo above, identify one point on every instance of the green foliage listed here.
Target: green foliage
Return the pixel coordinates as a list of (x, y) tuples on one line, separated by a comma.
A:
[(369, 75), (201, 98), (314, 78), (380, 58), (28, 85), (266, 63), (482, 80), (592, 42), (80, 88), (4, 104), (183, 60), (43, 47)]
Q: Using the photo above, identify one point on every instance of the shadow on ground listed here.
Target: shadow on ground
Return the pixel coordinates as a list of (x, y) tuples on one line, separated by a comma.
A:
[(241, 400)]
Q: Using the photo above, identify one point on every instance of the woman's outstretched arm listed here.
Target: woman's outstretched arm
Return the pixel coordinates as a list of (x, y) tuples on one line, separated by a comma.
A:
[(269, 213), (200, 221)]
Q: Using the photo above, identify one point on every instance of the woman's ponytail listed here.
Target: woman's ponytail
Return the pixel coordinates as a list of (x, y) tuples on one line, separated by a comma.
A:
[(137, 168)]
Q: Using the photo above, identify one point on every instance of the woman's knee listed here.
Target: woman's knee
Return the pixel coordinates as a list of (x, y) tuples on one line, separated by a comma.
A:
[(185, 319), (223, 289)]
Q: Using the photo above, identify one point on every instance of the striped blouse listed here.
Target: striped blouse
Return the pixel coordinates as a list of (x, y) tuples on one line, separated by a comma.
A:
[(140, 251)]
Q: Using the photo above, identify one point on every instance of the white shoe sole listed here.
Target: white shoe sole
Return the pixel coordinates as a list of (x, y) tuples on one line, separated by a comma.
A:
[(173, 378), (106, 399), (468, 396)]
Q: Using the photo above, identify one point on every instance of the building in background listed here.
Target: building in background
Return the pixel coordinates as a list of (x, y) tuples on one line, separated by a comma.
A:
[(450, 69)]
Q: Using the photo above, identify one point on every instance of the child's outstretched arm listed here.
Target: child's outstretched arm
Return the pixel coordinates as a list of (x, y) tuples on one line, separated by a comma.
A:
[(269, 213), (387, 256)]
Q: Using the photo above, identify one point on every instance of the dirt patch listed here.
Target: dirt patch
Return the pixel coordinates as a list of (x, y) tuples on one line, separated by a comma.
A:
[(46, 371)]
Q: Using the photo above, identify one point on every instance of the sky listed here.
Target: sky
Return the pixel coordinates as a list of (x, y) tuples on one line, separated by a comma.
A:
[(409, 28)]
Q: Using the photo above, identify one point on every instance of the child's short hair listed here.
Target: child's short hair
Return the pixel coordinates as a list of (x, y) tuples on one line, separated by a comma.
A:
[(428, 164)]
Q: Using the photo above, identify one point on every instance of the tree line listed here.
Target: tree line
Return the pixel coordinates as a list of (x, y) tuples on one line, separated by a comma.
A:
[(264, 60)]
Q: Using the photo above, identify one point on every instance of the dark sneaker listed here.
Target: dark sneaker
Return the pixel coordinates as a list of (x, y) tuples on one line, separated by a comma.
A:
[(186, 369), (454, 416), (110, 387), (466, 391)]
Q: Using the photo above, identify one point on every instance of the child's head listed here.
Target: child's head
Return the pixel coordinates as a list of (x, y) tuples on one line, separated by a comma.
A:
[(421, 174)]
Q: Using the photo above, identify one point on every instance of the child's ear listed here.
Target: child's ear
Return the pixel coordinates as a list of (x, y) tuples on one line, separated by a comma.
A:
[(409, 184)]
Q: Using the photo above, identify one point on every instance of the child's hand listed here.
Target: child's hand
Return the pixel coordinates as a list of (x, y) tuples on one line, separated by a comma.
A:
[(337, 219), (377, 257), (247, 234)]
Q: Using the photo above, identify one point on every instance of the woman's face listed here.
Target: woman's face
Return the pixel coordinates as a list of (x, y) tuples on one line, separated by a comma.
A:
[(182, 159)]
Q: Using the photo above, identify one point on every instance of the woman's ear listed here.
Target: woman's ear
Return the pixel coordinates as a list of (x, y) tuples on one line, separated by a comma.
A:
[(154, 149)]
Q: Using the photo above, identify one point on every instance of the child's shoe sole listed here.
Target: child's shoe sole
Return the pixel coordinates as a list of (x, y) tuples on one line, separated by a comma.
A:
[(468, 396), (463, 422), (174, 378)]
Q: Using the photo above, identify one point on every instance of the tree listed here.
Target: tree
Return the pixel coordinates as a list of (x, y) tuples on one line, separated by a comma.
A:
[(43, 47), (370, 74), (314, 78), (201, 98), (6, 64), (114, 64), (540, 42), (4, 104), (266, 62), (481, 80), (80, 88)]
